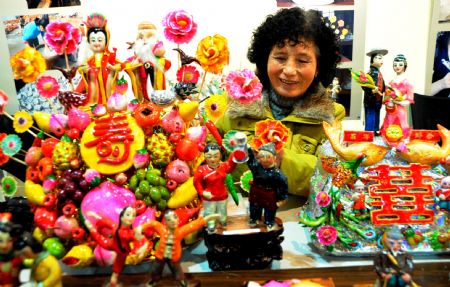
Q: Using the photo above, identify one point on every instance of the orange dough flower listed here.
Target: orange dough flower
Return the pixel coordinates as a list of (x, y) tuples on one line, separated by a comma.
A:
[(270, 131), (213, 53), (27, 64)]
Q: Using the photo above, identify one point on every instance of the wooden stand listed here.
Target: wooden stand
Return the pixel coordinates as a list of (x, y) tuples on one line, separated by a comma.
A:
[(241, 247)]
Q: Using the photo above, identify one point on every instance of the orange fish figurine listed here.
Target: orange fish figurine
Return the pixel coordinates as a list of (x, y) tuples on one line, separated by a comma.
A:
[(373, 153), (427, 152)]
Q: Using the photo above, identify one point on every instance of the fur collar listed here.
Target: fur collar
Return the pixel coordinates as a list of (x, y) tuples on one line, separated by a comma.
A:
[(317, 105)]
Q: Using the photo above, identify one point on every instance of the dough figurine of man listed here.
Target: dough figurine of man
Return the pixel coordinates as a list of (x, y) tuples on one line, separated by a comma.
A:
[(373, 98), (393, 265)]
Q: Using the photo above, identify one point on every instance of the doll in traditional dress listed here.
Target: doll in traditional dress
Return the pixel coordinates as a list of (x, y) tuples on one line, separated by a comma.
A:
[(149, 52), (122, 235), (99, 75), (402, 95)]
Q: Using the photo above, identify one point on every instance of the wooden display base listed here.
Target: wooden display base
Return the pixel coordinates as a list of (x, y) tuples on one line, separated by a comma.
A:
[(240, 246)]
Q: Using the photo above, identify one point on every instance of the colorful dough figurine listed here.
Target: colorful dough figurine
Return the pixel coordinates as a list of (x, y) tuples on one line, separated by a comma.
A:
[(373, 98), (169, 247), (393, 265), (45, 270), (444, 194), (123, 235), (269, 187), (101, 69), (10, 261), (209, 181), (359, 198)]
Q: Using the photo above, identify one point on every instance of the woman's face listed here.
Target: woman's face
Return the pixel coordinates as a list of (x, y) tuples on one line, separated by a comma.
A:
[(97, 42), (292, 69), (128, 216), (399, 67)]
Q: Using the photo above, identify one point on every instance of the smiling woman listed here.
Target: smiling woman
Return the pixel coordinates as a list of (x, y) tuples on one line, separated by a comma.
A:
[(295, 55)]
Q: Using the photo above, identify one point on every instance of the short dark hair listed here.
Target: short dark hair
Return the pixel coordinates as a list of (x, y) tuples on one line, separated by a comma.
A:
[(96, 30), (295, 24), (211, 146)]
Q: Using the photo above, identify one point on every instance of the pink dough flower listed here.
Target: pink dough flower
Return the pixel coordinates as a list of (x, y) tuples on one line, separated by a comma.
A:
[(243, 86), (47, 86), (3, 101), (188, 74), (323, 199), (179, 27), (62, 37), (326, 235)]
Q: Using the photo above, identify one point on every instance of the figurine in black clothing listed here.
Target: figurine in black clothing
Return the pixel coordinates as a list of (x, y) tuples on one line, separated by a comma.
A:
[(269, 188)]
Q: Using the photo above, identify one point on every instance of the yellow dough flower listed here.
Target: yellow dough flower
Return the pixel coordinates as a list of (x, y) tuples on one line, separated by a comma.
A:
[(22, 121), (27, 64), (213, 53), (215, 106)]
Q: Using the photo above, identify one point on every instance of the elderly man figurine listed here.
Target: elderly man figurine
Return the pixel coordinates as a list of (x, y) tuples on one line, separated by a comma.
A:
[(269, 187), (393, 265), (373, 98)]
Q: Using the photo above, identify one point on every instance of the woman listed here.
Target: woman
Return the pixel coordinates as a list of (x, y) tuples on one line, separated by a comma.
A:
[(123, 235), (101, 70), (295, 56), (396, 112)]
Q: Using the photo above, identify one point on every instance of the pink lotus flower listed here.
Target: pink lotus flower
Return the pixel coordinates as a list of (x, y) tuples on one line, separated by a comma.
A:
[(47, 86), (62, 37), (363, 78), (179, 27), (326, 235), (3, 101), (323, 199), (243, 86)]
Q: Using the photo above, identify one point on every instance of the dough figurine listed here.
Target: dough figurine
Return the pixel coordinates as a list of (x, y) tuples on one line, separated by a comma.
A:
[(169, 247), (269, 188), (444, 194), (99, 75), (393, 265), (359, 199), (10, 261), (209, 181)]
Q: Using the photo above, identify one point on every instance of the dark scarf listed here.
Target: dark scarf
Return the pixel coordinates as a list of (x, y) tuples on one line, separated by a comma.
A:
[(281, 106)]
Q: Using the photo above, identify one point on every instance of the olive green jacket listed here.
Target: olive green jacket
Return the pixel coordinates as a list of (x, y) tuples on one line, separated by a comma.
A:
[(299, 156)]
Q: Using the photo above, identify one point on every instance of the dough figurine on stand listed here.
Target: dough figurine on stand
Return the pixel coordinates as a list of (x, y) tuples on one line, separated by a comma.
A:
[(123, 236), (393, 265), (443, 193), (373, 98), (99, 75), (168, 250), (10, 261), (269, 188), (209, 181)]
